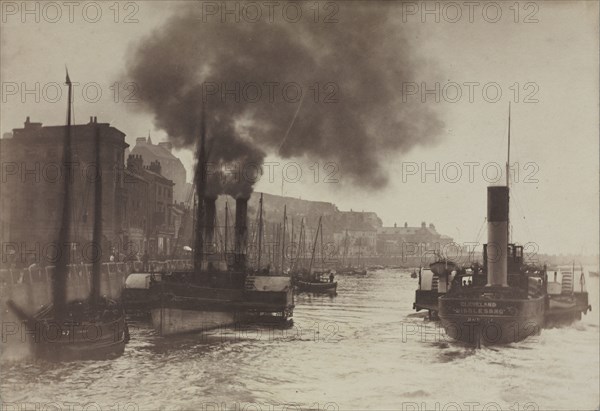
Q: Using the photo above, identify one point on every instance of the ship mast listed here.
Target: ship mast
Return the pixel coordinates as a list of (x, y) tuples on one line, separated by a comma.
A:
[(283, 238), (97, 233), (260, 229), (226, 229), (200, 183), (508, 174), (312, 257), (59, 294)]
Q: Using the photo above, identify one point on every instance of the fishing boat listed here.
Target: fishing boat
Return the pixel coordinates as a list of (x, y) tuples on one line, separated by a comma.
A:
[(314, 280), (221, 290), (316, 286), (92, 328), (345, 267)]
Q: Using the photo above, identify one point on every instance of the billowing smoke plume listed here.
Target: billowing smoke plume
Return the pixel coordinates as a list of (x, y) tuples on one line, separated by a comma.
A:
[(350, 73)]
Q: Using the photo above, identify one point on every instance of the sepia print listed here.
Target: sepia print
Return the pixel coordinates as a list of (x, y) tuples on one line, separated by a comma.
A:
[(299, 205)]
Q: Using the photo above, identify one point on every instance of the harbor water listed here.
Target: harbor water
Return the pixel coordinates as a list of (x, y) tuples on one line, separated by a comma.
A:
[(362, 349)]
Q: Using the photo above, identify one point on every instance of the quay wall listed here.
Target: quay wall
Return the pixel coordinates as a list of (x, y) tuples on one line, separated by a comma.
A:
[(31, 288)]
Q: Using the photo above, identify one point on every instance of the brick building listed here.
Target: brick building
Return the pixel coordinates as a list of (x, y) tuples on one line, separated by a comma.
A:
[(393, 241), (171, 166), (149, 213), (32, 184)]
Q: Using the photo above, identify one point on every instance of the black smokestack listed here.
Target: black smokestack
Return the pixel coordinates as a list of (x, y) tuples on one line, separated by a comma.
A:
[(241, 228), (210, 208), (330, 92)]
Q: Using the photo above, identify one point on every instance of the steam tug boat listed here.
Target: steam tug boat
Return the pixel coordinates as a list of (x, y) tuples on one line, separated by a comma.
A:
[(219, 292), (434, 282), (511, 305), (566, 301)]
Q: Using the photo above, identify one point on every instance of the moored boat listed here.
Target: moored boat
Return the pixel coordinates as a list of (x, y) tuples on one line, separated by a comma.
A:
[(316, 287), (91, 328)]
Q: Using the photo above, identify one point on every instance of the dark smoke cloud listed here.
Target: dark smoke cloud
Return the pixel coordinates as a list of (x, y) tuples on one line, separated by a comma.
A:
[(366, 55)]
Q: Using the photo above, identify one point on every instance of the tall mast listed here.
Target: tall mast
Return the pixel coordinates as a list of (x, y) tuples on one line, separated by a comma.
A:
[(322, 250), (508, 151), (312, 257), (260, 229), (283, 238), (97, 236), (226, 228), (200, 183), (359, 249), (508, 175), (59, 293)]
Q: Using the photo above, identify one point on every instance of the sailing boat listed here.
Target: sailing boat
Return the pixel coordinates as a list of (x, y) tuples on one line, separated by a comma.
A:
[(312, 280), (213, 294), (348, 269), (63, 328)]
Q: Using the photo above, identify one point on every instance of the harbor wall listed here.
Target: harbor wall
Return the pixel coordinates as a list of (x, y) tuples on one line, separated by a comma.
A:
[(31, 288)]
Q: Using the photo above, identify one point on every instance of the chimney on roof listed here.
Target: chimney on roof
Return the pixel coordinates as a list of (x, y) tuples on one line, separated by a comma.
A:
[(155, 167), (423, 225), (135, 163), (166, 145), (29, 125), (431, 226), (395, 225), (140, 140), (405, 224)]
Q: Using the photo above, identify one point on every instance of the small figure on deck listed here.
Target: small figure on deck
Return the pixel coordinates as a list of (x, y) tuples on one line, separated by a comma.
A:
[(331, 277)]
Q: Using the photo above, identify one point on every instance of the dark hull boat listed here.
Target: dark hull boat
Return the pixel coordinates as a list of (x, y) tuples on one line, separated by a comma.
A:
[(486, 315), (85, 333), (566, 302), (183, 307), (316, 287), (512, 305), (93, 328), (221, 290)]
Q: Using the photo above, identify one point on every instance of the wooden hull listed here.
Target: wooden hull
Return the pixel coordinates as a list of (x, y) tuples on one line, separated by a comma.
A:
[(488, 321), (314, 287), (84, 333)]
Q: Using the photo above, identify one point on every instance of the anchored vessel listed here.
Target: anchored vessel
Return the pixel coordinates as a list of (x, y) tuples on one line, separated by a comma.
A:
[(92, 328), (316, 281)]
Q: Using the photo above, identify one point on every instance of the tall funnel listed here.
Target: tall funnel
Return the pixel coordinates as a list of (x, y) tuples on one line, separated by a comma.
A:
[(241, 229), (497, 245)]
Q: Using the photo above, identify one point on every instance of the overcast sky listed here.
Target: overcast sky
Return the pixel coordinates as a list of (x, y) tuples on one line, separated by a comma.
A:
[(547, 68)]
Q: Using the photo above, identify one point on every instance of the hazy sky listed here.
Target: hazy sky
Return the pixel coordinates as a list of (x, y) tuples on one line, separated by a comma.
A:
[(547, 68)]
